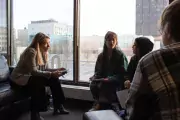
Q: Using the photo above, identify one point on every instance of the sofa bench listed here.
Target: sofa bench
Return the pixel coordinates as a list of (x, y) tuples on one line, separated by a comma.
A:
[(11, 103)]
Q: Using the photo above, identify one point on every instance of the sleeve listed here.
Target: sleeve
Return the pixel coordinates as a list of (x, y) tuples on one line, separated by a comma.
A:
[(139, 102), (130, 70), (98, 68), (47, 68), (31, 57)]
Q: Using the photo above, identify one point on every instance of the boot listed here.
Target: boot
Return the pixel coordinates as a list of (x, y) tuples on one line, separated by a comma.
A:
[(60, 110), (36, 116), (116, 108), (95, 107)]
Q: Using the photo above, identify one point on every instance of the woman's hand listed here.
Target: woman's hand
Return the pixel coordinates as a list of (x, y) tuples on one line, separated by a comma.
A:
[(56, 74), (127, 84), (106, 79), (92, 78), (62, 69), (96, 79)]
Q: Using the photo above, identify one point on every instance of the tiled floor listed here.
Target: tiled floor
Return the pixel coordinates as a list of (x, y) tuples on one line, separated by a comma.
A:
[(74, 115), (76, 108)]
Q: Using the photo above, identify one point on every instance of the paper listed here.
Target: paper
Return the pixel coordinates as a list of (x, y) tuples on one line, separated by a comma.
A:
[(122, 97)]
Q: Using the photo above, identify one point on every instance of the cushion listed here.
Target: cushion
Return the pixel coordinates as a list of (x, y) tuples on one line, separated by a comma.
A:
[(7, 95), (101, 115)]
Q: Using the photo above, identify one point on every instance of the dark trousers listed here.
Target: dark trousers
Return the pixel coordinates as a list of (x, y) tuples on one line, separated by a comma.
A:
[(36, 90), (104, 89)]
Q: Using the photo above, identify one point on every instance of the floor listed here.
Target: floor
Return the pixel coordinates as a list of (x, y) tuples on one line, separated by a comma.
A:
[(76, 108)]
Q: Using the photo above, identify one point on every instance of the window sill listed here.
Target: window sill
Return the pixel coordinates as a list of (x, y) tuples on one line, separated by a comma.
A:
[(71, 82), (77, 92)]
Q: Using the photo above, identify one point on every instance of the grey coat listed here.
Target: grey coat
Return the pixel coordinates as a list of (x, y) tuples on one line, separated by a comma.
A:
[(27, 66)]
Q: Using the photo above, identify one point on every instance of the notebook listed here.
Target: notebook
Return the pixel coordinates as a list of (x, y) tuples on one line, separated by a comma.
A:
[(122, 97)]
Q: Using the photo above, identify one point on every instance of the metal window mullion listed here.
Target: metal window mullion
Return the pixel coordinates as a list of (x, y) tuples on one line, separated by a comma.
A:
[(76, 34), (9, 29)]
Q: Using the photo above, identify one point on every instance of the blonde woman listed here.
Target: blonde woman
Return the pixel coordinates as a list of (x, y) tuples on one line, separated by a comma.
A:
[(31, 75)]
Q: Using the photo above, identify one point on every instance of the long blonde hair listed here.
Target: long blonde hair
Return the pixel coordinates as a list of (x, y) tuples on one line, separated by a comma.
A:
[(36, 42)]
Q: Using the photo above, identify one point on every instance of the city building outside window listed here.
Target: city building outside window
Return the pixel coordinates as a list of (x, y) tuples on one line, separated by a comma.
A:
[(34, 19), (128, 18), (3, 27)]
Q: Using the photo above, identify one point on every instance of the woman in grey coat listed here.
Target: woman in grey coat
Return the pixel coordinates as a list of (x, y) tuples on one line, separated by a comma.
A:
[(31, 75)]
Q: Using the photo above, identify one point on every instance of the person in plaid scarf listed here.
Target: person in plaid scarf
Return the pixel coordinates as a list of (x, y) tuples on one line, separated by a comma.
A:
[(155, 90)]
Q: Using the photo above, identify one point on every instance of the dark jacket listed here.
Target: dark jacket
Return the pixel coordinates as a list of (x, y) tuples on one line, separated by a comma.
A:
[(113, 69), (132, 67)]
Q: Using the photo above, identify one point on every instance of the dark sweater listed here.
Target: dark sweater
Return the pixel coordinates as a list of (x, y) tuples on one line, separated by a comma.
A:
[(114, 69), (132, 67)]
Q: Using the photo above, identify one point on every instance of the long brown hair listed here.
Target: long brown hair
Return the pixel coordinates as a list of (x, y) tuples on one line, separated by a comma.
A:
[(108, 35), (36, 42)]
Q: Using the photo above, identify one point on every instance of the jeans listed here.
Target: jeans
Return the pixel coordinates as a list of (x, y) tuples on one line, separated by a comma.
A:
[(35, 88), (105, 89)]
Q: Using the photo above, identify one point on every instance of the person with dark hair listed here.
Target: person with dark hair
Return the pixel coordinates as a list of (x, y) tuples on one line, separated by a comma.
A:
[(31, 75), (141, 47), (155, 90), (109, 74)]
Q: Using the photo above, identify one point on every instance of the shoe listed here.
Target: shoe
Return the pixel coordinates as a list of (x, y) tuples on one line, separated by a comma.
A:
[(36, 116), (95, 107), (60, 111), (116, 108)]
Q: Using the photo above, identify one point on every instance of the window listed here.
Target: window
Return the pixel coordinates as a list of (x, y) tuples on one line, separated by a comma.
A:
[(42, 16), (127, 18), (3, 27)]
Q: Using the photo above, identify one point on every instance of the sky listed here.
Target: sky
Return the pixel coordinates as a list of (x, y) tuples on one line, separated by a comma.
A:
[(96, 16)]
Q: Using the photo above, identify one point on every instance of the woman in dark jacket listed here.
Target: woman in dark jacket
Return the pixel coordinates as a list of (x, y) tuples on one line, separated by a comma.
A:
[(110, 69), (141, 47)]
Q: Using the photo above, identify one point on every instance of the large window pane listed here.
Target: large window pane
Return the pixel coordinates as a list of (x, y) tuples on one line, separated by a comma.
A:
[(52, 17), (128, 18), (3, 27)]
